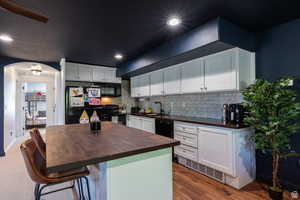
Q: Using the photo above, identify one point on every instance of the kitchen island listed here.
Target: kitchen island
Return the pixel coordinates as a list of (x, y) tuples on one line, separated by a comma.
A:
[(124, 163)]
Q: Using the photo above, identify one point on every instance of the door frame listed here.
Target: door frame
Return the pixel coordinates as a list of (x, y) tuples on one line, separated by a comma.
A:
[(50, 93)]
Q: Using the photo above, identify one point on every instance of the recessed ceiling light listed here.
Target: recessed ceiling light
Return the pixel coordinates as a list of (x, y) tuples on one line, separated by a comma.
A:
[(118, 56), (6, 38), (174, 21)]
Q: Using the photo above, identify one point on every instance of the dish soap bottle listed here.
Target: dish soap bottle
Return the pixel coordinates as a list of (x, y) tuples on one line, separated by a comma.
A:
[(95, 123)]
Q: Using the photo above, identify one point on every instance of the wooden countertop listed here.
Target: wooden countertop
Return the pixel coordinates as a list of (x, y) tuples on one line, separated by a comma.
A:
[(74, 146), (196, 120)]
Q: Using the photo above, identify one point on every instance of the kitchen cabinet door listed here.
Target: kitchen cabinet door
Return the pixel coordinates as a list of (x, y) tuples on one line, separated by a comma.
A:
[(84, 73), (156, 83), (135, 87), (148, 125), (192, 76), (71, 72), (98, 75), (138, 123), (172, 80), (129, 121), (144, 86), (216, 150), (220, 72), (109, 75)]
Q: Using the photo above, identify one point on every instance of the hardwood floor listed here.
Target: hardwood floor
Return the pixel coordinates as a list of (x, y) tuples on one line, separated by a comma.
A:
[(191, 185)]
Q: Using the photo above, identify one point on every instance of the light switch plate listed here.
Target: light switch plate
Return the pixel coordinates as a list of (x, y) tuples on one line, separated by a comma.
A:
[(291, 83)]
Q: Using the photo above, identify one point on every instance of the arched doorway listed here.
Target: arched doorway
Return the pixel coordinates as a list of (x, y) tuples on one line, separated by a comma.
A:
[(30, 98)]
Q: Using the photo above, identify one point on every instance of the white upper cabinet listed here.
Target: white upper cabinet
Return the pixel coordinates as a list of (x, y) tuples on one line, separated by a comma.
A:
[(98, 75), (172, 83), (135, 86), (82, 72), (144, 85), (192, 76), (110, 75), (71, 72), (156, 83), (233, 69), (220, 72), (140, 86), (230, 70)]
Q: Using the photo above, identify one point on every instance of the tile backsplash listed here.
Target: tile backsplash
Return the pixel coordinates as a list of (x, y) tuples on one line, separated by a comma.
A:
[(208, 105)]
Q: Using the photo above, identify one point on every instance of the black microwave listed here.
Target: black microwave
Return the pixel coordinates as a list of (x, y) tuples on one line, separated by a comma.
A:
[(110, 90)]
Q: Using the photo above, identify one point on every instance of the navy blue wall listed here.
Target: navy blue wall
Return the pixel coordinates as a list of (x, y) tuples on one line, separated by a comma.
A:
[(4, 61), (278, 55), (214, 36)]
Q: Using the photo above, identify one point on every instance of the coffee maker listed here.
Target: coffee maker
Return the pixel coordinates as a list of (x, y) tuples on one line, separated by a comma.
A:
[(233, 113)]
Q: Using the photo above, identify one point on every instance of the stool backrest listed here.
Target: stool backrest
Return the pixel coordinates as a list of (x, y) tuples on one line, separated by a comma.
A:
[(39, 142), (34, 162)]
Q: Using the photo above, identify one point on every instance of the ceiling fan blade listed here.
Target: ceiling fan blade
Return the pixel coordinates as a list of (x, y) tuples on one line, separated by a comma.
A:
[(13, 7)]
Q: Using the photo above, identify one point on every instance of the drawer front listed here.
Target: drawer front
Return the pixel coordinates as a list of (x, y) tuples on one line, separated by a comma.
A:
[(186, 152), (186, 128), (187, 138)]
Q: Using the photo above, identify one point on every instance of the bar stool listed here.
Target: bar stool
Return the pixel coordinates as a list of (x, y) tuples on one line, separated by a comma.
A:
[(36, 168), (39, 142)]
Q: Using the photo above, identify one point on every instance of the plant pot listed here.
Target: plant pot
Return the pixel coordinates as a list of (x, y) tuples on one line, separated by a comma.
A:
[(275, 195)]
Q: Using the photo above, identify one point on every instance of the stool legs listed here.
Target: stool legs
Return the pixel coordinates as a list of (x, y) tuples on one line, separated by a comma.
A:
[(88, 187)]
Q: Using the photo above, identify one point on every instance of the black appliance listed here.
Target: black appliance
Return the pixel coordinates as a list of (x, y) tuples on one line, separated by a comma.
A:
[(76, 103), (233, 113), (164, 127), (135, 110), (107, 111), (110, 89)]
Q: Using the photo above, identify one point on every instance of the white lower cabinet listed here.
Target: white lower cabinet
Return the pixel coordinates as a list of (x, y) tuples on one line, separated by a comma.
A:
[(227, 155), (142, 123), (187, 152), (217, 149)]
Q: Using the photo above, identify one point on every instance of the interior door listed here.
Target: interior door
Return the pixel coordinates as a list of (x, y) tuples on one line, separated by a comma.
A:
[(216, 150), (172, 80), (220, 73), (192, 76), (20, 98), (156, 83)]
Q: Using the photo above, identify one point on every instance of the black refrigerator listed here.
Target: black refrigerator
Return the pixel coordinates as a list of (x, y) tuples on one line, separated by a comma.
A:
[(79, 99)]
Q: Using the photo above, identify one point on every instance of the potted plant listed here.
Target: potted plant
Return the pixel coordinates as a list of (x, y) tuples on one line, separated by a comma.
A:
[(271, 109)]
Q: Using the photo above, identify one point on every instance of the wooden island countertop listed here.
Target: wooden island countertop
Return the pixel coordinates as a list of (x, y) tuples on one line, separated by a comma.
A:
[(74, 146)]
